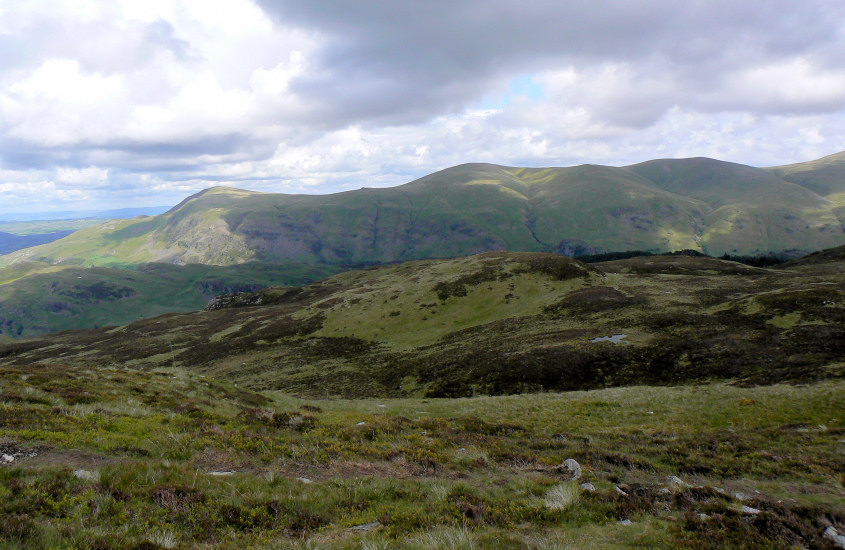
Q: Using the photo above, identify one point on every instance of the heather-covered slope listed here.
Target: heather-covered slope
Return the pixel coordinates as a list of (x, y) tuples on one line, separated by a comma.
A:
[(495, 323)]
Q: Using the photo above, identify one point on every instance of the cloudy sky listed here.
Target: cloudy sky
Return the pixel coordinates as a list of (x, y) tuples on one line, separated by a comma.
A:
[(114, 103)]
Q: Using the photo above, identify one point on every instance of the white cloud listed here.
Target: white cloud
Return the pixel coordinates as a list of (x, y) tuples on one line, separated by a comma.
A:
[(88, 177), (58, 104), (790, 85)]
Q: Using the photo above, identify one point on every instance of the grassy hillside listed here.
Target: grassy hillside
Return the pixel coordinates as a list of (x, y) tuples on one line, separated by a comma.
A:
[(230, 427), (37, 298), (661, 205), (825, 176), (170, 458), (496, 323), (750, 208)]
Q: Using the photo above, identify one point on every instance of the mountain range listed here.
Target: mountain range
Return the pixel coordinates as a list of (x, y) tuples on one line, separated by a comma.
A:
[(661, 205), (657, 206)]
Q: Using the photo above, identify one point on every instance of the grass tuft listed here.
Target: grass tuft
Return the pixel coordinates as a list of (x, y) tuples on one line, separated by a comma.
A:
[(562, 496)]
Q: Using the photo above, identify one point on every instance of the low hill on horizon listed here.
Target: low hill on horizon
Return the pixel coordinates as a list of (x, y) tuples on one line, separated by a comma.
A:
[(703, 204), (38, 298)]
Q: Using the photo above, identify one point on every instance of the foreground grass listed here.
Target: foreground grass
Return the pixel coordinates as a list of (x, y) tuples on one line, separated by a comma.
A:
[(114, 458)]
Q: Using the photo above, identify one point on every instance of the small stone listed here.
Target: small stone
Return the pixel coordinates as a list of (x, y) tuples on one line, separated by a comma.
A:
[(366, 526), (304, 480), (626, 522), (703, 517), (741, 496), (675, 481), (832, 535), (573, 467), (663, 491), (221, 473), (749, 510), (361, 424), (620, 491), (589, 487), (8, 458)]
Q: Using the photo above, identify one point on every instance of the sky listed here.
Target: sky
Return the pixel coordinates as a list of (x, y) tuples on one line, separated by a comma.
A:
[(121, 103)]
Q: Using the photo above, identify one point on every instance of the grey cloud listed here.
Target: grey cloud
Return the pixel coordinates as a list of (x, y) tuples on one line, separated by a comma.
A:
[(161, 33), (134, 156), (404, 62)]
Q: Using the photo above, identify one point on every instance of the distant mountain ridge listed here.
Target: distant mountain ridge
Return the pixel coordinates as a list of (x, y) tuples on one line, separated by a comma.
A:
[(9, 242), (660, 205), (81, 214)]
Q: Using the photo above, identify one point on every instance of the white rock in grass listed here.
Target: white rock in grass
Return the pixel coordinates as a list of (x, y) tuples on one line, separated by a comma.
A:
[(749, 510), (304, 480), (86, 475), (573, 467), (626, 522), (621, 492), (8, 458), (366, 526), (832, 535), (675, 481), (222, 473), (589, 487)]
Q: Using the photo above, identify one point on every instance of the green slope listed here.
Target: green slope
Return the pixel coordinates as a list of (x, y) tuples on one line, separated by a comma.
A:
[(659, 205), (750, 209), (825, 176)]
